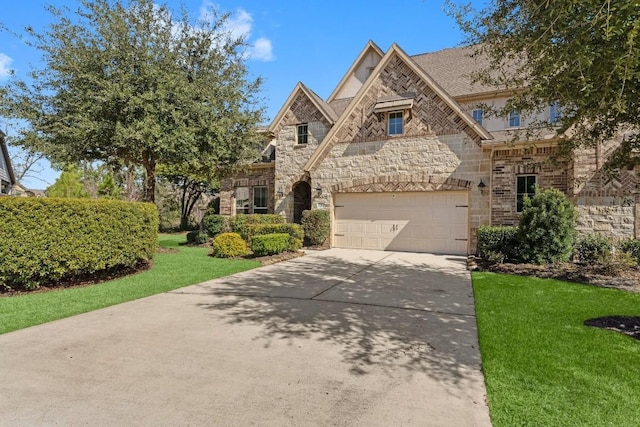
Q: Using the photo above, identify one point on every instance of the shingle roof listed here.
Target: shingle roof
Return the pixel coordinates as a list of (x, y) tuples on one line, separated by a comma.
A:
[(452, 69)]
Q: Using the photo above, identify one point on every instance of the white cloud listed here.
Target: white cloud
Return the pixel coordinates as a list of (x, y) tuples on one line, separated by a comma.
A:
[(239, 25), (5, 66), (262, 50)]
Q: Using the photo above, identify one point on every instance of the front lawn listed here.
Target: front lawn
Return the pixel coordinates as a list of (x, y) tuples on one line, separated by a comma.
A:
[(188, 266), (542, 366)]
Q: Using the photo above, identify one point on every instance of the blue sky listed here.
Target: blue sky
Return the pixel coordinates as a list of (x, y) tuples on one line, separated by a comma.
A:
[(310, 41)]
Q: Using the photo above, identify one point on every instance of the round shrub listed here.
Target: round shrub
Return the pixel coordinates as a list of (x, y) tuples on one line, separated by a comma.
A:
[(229, 245), (632, 247), (270, 244), (216, 224), (197, 237), (547, 230), (593, 248), (316, 225), (497, 244)]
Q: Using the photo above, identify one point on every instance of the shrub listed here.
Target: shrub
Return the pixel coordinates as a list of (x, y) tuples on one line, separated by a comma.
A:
[(295, 232), (498, 244), (316, 225), (241, 222), (229, 245), (593, 248), (547, 228), (47, 240), (197, 236), (632, 247), (216, 224), (270, 244)]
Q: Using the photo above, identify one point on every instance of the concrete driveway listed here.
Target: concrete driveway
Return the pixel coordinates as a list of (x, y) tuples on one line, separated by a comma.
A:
[(334, 338)]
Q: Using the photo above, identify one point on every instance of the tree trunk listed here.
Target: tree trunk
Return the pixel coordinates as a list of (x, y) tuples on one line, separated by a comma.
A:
[(190, 196), (150, 181)]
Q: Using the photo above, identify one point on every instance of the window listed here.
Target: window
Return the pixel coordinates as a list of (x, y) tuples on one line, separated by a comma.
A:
[(395, 123), (525, 186), (260, 204), (477, 115), (554, 112), (514, 119), (242, 200), (303, 133)]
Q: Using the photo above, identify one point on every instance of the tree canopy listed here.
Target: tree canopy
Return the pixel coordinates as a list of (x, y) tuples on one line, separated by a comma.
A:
[(583, 55), (129, 83)]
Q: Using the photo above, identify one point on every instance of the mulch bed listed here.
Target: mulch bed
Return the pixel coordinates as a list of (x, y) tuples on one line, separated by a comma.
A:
[(624, 324)]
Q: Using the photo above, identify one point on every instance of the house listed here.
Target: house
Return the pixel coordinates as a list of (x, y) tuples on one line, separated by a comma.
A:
[(403, 158), (7, 178)]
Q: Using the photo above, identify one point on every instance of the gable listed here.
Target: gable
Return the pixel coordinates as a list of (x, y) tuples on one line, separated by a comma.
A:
[(6, 171), (303, 106), (358, 73), (432, 110)]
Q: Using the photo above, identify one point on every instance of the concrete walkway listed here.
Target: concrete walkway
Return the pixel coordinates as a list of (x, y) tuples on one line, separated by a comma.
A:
[(334, 338)]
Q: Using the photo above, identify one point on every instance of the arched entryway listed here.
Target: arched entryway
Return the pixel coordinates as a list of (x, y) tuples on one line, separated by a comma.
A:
[(301, 200)]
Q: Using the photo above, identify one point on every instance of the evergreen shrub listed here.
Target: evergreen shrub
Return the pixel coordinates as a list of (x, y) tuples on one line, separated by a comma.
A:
[(45, 240), (316, 225), (270, 244), (229, 245)]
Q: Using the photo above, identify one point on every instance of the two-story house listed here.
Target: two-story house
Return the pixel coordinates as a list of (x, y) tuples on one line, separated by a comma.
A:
[(7, 178), (404, 159)]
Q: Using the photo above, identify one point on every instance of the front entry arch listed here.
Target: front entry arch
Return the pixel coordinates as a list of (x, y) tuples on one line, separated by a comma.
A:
[(301, 200)]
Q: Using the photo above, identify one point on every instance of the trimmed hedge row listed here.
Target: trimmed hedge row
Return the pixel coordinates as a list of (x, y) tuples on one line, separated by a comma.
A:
[(497, 244), (47, 240), (295, 232), (270, 244)]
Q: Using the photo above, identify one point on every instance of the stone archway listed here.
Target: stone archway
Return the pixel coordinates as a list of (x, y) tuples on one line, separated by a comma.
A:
[(301, 200)]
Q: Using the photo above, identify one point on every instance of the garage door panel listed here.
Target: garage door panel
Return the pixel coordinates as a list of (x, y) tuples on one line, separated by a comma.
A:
[(417, 222)]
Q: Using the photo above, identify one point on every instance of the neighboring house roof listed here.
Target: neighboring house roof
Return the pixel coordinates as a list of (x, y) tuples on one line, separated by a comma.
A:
[(370, 48), (395, 50), (322, 106), (6, 172), (453, 68)]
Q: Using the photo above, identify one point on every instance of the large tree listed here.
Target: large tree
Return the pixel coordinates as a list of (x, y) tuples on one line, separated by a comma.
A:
[(583, 55), (129, 83)]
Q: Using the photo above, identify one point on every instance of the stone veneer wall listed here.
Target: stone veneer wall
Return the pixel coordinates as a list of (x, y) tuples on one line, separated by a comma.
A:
[(507, 164), (419, 163), (259, 175), (615, 221)]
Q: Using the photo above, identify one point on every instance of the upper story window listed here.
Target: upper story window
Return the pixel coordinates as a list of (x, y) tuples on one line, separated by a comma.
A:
[(525, 187), (554, 112), (477, 115), (303, 133), (395, 123), (514, 119)]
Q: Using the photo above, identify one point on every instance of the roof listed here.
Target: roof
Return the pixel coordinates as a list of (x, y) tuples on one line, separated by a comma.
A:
[(322, 106), (453, 68)]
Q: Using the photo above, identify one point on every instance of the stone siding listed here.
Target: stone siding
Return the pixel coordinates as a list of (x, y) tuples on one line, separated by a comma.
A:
[(615, 221), (427, 163), (508, 163), (260, 175)]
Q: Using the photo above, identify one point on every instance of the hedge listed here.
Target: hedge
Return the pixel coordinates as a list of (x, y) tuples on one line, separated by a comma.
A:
[(270, 244), (240, 223), (48, 240), (295, 232), (216, 224)]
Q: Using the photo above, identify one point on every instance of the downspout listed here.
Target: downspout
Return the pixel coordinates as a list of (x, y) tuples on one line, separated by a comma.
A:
[(493, 149)]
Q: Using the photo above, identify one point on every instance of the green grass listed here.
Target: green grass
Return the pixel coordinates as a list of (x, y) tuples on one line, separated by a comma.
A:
[(170, 271), (542, 366)]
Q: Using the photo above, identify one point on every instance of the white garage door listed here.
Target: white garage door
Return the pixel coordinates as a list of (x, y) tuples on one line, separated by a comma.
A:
[(434, 222)]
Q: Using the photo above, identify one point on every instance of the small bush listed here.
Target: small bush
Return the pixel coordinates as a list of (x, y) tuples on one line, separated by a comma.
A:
[(295, 232), (547, 232), (632, 247), (593, 248), (269, 244), (229, 245), (617, 263), (197, 237), (316, 225), (216, 224), (498, 244)]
